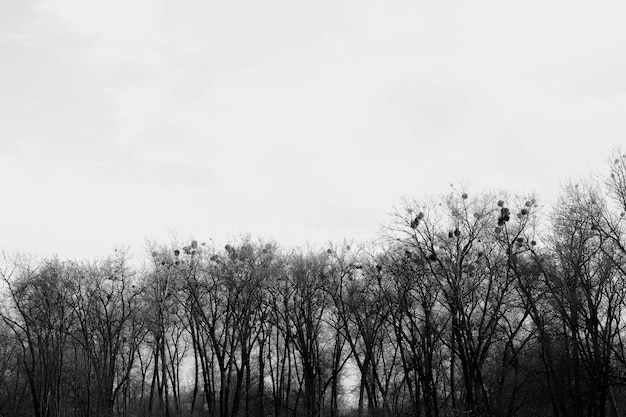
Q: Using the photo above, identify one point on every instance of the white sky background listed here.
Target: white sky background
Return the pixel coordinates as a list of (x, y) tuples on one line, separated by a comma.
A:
[(123, 120)]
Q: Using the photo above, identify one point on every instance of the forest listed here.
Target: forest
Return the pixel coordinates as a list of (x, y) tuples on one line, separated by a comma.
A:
[(467, 304)]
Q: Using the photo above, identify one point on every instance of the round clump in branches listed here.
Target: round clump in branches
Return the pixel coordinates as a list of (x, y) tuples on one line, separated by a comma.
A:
[(505, 216)]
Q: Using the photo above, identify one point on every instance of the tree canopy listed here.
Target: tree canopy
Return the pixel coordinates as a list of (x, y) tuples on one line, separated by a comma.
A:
[(483, 304)]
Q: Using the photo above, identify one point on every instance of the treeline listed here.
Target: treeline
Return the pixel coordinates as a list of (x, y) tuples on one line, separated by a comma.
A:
[(470, 305)]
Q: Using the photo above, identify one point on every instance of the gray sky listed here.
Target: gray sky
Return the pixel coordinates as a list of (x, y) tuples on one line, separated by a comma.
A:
[(122, 120)]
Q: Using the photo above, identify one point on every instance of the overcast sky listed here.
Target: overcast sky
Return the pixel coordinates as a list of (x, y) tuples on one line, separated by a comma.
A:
[(122, 120)]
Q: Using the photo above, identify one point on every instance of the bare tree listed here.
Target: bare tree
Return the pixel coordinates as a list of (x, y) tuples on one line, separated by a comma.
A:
[(39, 317), (459, 244), (108, 330)]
